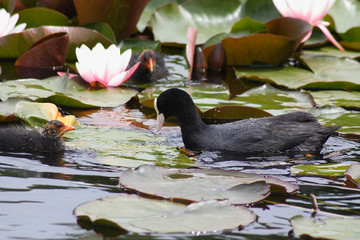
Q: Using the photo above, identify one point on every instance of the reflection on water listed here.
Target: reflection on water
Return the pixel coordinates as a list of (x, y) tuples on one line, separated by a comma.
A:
[(39, 193)]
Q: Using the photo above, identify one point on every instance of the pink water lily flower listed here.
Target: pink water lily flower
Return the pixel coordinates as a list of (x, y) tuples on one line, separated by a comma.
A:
[(311, 11), (7, 23), (102, 67)]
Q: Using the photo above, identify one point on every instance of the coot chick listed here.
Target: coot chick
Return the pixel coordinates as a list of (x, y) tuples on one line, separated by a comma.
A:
[(152, 66), (294, 132), (20, 139)]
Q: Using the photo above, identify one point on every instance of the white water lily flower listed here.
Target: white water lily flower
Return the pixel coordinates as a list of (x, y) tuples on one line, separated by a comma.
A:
[(7, 23), (102, 67), (311, 11)]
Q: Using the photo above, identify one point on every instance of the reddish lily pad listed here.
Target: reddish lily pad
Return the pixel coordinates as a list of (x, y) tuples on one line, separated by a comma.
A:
[(138, 214), (353, 172), (196, 184), (122, 15), (64, 6), (48, 52), (282, 38), (14, 45)]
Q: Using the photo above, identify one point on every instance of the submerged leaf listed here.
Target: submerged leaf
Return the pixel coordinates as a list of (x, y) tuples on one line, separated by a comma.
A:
[(137, 214), (327, 170)]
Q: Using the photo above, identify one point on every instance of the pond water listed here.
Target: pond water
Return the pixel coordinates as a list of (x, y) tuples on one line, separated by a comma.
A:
[(39, 193)]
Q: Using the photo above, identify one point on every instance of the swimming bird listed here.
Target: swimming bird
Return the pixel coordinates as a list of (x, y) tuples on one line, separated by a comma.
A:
[(152, 66), (295, 132), (20, 139)]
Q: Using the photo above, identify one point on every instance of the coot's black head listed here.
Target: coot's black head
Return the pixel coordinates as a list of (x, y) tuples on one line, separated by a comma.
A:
[(55, 129), (148, 59), (173, 102)]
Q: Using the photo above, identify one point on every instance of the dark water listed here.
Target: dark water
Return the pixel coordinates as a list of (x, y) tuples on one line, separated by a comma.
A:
[(38, 194)]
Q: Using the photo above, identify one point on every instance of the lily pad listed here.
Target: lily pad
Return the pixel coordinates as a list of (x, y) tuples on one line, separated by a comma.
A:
[(7, 109), (347, 99), (327, 227), (345, 14), (281, 39), (353, 172), (72, 92), (327, 170), (328, 73), (36, 17), (137, 45), (196, 184), (123, 148), (137, 214), (332, 51), (14, 45), (170, 22)]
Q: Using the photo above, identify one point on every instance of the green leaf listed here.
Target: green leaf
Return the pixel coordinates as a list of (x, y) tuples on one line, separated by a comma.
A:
[(126, 148), (345, 14), (203, 184), (14, 45), (102, 28), (137, 45), (36, 17), (170, 22), (327, 227), (338, 98), (332, 51), (8, 5), (32, 88), (328, 73), (353, 172), (327, 170), (137, 214), (7, 109), (70, 93)]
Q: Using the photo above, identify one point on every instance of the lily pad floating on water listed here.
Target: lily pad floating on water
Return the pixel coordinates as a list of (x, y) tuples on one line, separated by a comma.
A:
[(326, 227), (328, 73), (62, 91), (193, 185), (137, 214)]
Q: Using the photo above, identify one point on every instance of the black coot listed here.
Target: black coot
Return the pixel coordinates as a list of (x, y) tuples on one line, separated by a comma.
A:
[(20, 139), (296, 132), (152, 66)]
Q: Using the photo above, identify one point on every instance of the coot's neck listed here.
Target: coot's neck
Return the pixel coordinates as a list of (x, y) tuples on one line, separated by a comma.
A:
[(189, 118)]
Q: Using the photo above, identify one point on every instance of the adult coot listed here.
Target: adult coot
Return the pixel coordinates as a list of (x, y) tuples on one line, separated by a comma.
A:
[(152, 66), (20, 139), (296, 132)]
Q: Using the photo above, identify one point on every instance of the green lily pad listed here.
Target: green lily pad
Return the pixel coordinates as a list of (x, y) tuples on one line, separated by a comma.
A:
[(327, 227), (170, 22), (104, 29), (136, 214), (7, 109), (123, 148), (336, 116), (196, 184), (332, 51), (328, 73), (137, 45), (345, 14), (14, 45), (345, 99), (327, 170), (36, 17), (353, 172), (72, 92)]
